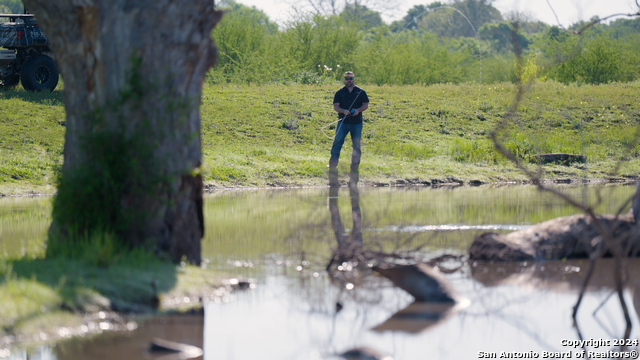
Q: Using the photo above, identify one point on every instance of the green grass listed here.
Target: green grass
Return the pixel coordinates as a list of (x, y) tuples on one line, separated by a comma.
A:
[(266, 135), (31, 140), (416, 132)]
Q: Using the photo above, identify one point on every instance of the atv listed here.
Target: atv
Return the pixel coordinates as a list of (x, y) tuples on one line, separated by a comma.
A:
[(26, 56)]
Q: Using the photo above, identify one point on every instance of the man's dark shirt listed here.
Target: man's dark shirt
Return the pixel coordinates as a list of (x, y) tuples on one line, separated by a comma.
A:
[(346, 100)]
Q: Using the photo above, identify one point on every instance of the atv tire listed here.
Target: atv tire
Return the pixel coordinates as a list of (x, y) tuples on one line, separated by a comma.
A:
[(39, 73)]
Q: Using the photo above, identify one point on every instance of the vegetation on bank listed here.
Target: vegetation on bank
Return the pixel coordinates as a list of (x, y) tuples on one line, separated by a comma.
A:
[(87, 288), (49, 299), (280, 135), (417, 132)]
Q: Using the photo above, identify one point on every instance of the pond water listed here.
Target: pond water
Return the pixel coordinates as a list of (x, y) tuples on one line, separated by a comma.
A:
[(283, 241)]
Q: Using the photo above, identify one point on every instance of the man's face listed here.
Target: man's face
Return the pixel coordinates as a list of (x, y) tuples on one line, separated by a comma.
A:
[(348, 80)]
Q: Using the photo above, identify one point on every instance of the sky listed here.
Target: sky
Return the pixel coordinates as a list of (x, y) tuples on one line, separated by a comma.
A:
[(568, 11)]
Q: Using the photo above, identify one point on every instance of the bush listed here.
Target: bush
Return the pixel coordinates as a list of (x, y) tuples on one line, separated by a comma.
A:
[(321, 41), (410, 58), (596, 60)]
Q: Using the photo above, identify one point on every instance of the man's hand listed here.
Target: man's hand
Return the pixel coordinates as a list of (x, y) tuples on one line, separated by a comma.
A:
[(346, 112)]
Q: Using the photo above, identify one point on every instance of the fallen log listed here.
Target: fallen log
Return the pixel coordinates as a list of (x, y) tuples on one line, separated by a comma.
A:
[(561, 238), (419, 280), (365, 353)]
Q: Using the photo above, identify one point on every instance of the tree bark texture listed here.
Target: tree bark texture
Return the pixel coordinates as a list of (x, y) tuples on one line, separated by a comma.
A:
[(133, 73)]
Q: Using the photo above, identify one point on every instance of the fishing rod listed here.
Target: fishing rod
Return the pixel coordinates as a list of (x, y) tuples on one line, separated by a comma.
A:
[(351, 114)]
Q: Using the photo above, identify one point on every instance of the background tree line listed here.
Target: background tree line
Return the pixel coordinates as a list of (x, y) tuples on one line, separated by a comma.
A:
[(441, 42), (432, 43)]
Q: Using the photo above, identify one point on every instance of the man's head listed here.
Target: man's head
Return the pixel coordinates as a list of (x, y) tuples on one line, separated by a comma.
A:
[(349, 78)]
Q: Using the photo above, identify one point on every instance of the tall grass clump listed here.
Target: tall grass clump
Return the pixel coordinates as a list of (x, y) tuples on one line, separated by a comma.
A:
[(89, 196), (475, 151), (100, 248), (499, 69)]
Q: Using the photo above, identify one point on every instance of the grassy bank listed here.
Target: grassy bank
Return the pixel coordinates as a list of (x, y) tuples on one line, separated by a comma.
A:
[(280, 135), (265, 135)]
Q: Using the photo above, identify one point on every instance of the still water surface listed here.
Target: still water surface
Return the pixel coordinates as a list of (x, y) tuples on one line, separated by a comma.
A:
[(284, 239)]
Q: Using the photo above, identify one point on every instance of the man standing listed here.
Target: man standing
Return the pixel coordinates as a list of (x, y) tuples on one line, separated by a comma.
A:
[(349, 102)]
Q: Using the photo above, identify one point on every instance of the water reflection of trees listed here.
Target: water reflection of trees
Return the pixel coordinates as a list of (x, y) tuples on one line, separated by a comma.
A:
[(555, 277)]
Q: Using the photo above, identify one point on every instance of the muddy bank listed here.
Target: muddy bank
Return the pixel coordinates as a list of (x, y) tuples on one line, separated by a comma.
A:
[(8, 191), (409, 182)]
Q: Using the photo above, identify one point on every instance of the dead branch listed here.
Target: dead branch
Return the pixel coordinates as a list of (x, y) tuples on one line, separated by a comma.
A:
[(596, 21), (593, 22), (554, 14)]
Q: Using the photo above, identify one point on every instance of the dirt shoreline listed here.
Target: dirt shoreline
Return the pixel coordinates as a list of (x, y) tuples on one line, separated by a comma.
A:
[(407, 182)]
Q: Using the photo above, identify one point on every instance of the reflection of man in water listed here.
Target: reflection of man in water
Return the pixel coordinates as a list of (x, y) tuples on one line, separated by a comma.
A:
[(349, 102), (436, 300), (347, 245)]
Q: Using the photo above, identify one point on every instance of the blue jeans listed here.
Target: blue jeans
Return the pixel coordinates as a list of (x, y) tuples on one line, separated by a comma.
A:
[(341, 133)]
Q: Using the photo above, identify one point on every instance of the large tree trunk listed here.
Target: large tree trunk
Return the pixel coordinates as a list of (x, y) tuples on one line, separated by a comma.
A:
[(133, 73)]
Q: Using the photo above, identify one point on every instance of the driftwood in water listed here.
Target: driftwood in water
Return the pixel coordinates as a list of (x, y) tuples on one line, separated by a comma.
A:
[(419, 280), (565, 237), (420, 316), (364, 353)]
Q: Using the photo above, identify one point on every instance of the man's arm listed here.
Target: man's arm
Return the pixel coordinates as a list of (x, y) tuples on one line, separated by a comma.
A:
[(336, 107), (362, 108)]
